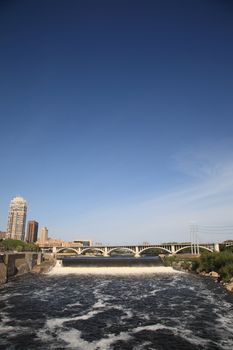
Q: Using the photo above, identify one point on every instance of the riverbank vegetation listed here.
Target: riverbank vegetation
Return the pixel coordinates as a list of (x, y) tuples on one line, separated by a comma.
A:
[(17, 245), (222, 263), (207, 262)]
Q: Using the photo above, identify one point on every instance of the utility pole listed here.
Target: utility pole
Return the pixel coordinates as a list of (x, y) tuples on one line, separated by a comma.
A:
[(194, 239)]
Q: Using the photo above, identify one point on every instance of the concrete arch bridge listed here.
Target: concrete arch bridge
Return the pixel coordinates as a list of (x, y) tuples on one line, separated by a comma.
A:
[(137, 250)]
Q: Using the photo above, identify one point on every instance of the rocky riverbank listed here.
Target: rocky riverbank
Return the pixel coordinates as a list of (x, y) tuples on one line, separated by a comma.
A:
[(215, 275), (201, 265), (44, 267)]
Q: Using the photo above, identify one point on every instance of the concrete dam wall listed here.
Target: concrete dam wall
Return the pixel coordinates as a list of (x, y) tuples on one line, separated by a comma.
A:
[(12, 264)]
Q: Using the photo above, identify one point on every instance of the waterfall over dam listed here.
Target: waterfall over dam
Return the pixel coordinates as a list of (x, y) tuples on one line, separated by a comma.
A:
[(118, 265)]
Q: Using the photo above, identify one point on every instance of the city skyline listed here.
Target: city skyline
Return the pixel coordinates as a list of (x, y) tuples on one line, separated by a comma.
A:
[(116, 117)]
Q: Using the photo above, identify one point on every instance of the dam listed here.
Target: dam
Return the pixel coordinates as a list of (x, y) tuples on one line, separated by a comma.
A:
[(117, 261), (118, 265)]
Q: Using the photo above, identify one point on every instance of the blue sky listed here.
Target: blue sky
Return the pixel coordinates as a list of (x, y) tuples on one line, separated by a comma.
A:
[(116, 116)]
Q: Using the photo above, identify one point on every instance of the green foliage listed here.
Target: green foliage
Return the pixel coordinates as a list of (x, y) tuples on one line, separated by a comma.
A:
[(220, 262), (226, 272), (17, 245), (153, 251), (195, 265), (186, 250), (168, 260), (186, 265), (19, 248), (227, 248), (207, 262), (179, 262)]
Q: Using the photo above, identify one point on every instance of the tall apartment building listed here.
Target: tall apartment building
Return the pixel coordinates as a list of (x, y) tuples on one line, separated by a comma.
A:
[(32, 231), (43, 234), (17, 218)]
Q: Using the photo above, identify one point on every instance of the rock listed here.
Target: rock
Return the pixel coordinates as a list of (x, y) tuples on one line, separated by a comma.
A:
[(203, 273), (22, 269), (229, 286), (214, 274), (36, 269), (3, 273)]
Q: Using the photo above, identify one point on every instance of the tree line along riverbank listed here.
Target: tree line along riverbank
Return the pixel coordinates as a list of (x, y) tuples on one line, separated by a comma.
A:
[(216, 265), (17, 246)]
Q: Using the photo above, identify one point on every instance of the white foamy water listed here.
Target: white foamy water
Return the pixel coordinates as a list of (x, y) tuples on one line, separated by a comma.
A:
[(74, 340), (57, 270)]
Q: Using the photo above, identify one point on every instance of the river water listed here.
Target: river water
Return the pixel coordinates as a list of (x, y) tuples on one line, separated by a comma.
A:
[(154, 308)]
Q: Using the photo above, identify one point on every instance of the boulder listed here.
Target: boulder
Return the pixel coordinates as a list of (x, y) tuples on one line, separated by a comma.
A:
[(214, 274), (229, 286)]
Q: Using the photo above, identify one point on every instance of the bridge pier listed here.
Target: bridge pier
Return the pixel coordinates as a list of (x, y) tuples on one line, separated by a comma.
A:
[(106, 251), (216, 247), (136, 255), (173, 250)]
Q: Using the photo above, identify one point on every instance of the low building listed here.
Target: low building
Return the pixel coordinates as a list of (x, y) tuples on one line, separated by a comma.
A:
[(3, 234), (84, 243), (50, 242)]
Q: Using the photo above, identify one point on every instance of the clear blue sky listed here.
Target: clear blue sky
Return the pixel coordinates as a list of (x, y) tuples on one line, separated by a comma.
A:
[(117, 116)]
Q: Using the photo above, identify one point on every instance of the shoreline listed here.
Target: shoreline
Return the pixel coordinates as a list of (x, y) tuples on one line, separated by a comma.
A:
[(177, 265)]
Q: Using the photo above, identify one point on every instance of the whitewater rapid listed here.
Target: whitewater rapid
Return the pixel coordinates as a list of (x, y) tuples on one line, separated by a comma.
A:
[(60, 270)]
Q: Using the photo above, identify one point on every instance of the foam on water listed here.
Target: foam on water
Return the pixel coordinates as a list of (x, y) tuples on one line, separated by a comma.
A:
[(4, 320), (74, 304), (73, 339), (180, 331)]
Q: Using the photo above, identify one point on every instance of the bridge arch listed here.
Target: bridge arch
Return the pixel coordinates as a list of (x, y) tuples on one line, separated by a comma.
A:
[(159, 248), (189, 246), (208, 249), (229, 245), (68, 249), (121, 248), (92, 249), (47, 250)]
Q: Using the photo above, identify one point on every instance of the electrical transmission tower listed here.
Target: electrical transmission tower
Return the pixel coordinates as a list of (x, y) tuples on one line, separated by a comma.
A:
[(194, 239)]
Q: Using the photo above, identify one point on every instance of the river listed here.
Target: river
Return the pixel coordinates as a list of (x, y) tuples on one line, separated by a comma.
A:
[(155, 309)]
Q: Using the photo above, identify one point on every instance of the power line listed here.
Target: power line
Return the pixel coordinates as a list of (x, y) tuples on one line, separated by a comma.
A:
[(215, 230), (216, 226)]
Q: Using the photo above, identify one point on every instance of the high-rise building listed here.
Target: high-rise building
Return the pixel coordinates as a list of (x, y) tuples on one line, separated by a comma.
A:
[(43, 234), (17, 218), (32, 231)]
